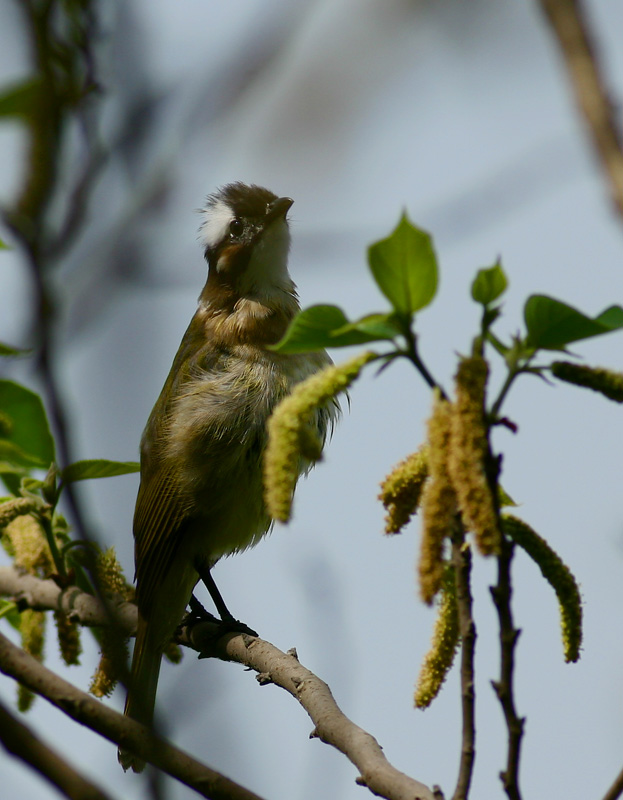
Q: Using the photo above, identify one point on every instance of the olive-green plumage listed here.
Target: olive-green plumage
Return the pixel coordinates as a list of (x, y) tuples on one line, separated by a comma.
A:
[(201, 494)]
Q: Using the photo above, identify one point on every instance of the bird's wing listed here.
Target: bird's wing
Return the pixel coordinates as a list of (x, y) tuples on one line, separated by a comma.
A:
[(159, 519)]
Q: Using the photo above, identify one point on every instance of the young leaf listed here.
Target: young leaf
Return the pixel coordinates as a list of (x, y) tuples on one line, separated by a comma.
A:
[(30, 432), (404, 267), (375, 327), (489, 284), (19, 100), (327, 326), (8, 350), (552, 324), (97, 468)]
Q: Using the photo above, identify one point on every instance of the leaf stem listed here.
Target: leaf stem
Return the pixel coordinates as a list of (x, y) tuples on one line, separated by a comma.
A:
[(414, 357)]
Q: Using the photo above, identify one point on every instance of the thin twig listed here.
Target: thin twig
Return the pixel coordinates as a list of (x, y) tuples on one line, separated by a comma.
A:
[(502, 593), (20, 741), (576, 41), (117, 728), (462, 561)]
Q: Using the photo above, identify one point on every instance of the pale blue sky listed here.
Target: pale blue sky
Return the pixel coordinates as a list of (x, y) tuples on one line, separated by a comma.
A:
[(460, 113)]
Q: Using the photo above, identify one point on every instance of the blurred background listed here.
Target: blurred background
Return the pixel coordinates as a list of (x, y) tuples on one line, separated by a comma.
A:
[(461, 113)]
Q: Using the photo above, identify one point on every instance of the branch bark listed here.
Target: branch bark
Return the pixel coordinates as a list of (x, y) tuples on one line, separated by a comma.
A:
[(112, 725), (462, 560), (501, 594), (20, 741), (332, 726), (273, 666)]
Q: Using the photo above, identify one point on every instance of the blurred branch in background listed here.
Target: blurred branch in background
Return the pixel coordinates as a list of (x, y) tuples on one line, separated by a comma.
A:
[(60, 96), (576, 41), (20, 741)]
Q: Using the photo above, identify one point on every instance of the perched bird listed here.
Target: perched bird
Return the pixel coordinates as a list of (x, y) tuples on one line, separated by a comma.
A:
[(201, 494)]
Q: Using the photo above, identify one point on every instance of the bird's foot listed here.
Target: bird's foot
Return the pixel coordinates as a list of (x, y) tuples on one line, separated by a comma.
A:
[(203, 630)]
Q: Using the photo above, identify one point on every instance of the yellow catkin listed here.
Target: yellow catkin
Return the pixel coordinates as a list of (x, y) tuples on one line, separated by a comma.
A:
[(32, 630), (291, 435), (173, 653), (110, 577), (469, 450), (16, 507), (113, 661), (68, 633), (438, 505), (29, 545), (439, 659), (560, 578), (604, 381), (402, 489)]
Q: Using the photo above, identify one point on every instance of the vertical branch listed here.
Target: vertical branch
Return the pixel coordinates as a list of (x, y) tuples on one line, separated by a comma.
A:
[(53, 109), (575, 40), (502, 594), (462, 561)]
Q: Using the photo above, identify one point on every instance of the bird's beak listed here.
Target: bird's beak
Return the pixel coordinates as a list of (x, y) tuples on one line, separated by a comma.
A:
[(278, 209)]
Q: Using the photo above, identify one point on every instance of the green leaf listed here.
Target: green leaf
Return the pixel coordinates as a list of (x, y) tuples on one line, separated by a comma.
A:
[(8, 350), (404, 267), (552, 324), (323, 326), (4, 245), (30, 432), (489, 284), (97, 468), (375, 327), (8, 610), (13, 454), (502, 348), (19, 100), (504, 499)]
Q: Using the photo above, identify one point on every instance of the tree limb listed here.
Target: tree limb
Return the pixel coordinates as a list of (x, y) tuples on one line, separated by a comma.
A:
[(44, 595), (331, 725), (575, 40), (273, 666), (112, 725), (20, 741)]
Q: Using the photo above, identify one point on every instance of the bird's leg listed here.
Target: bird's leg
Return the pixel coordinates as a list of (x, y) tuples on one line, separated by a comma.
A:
[(199, 612), (227, 618)]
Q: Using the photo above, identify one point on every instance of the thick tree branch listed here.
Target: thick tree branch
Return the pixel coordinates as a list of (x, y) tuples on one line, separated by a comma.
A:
[(112, 725), (273, 666), (20, 741), (44, 595), (575, 40)]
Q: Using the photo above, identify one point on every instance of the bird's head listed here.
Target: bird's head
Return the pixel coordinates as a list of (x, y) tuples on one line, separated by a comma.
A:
[(246, 240)]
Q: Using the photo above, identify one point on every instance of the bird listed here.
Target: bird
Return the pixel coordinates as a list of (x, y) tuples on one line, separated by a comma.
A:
[(200, 496)]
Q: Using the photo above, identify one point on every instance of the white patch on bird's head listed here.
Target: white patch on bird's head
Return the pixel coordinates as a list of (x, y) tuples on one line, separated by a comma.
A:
[(217, 217)]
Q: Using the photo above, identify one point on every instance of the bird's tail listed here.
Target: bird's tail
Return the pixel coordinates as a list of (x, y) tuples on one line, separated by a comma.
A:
[(141, 698)]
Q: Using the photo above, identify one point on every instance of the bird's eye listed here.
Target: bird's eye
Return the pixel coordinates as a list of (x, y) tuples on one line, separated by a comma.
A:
[(236, 227)]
